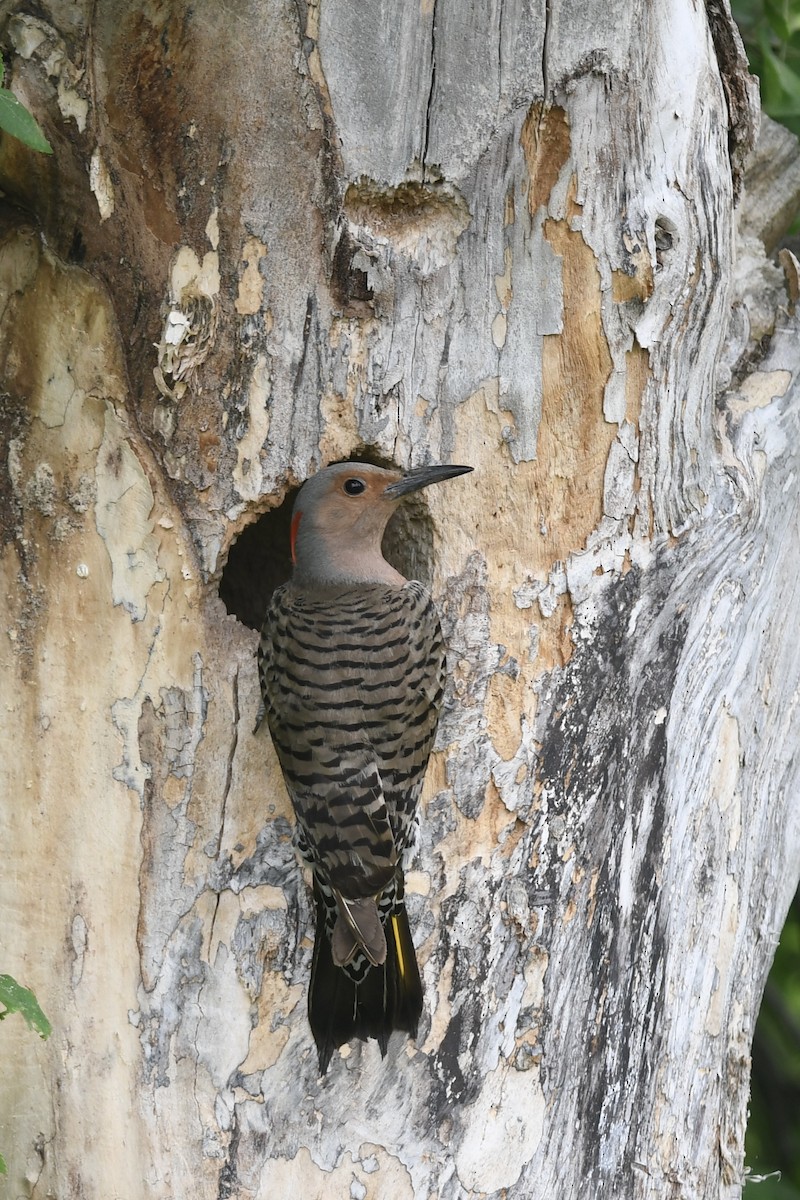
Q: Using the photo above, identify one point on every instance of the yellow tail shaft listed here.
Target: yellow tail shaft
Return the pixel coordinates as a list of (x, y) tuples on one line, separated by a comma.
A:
[(398, 945)]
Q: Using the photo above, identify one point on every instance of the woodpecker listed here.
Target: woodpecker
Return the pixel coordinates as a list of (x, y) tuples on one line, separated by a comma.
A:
[(352, 669)]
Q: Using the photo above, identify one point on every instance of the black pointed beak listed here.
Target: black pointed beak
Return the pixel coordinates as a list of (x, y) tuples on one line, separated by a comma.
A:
[(412, 481)]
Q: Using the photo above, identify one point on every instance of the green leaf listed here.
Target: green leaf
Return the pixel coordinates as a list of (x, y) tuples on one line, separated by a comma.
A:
[(16, 998), (792, 22), (16, 120), (784, 17), (781, 84), (777, 23), (3, 1167), (788, 79)]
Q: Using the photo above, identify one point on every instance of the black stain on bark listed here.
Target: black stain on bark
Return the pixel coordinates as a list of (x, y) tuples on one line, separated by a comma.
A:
[(605, 745)]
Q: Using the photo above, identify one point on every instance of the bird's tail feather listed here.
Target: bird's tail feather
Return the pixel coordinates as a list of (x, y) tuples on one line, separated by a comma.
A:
[(386, 997)]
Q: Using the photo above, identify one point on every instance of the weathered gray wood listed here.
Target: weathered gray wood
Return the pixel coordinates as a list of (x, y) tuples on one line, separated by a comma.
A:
[(497, 234)]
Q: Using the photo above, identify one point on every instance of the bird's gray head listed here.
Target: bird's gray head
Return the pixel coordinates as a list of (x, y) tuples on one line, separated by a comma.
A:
[(339, 518)]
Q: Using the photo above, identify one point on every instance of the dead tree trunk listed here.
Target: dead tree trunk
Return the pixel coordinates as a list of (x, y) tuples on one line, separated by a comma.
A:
[(274, 235)]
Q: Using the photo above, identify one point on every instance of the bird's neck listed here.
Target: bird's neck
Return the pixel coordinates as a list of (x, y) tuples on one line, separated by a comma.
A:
[(344, 576), (317, 566)]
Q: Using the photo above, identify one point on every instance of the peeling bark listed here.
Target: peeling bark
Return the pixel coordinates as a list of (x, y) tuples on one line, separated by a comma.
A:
[(298, 232)]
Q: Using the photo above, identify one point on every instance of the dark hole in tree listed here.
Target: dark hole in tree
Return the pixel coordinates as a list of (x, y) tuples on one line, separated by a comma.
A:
[(258, 562), (259, 559)]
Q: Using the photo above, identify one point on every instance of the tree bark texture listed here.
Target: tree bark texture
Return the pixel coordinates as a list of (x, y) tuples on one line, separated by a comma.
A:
[(276, 235)]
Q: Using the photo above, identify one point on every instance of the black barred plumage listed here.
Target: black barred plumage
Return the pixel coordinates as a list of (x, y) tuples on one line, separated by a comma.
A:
[(352, 668), (353, 729)]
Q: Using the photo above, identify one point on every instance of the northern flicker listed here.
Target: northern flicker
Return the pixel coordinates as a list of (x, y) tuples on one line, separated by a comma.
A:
[(352, 665)]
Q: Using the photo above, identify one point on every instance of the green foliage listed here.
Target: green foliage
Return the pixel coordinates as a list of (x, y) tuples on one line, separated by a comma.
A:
[(16, 120), (773, 1133), (16, 998), (771, 33)]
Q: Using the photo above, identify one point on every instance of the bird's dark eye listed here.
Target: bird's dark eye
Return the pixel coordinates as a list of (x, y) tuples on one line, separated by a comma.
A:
[(354, 487)]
